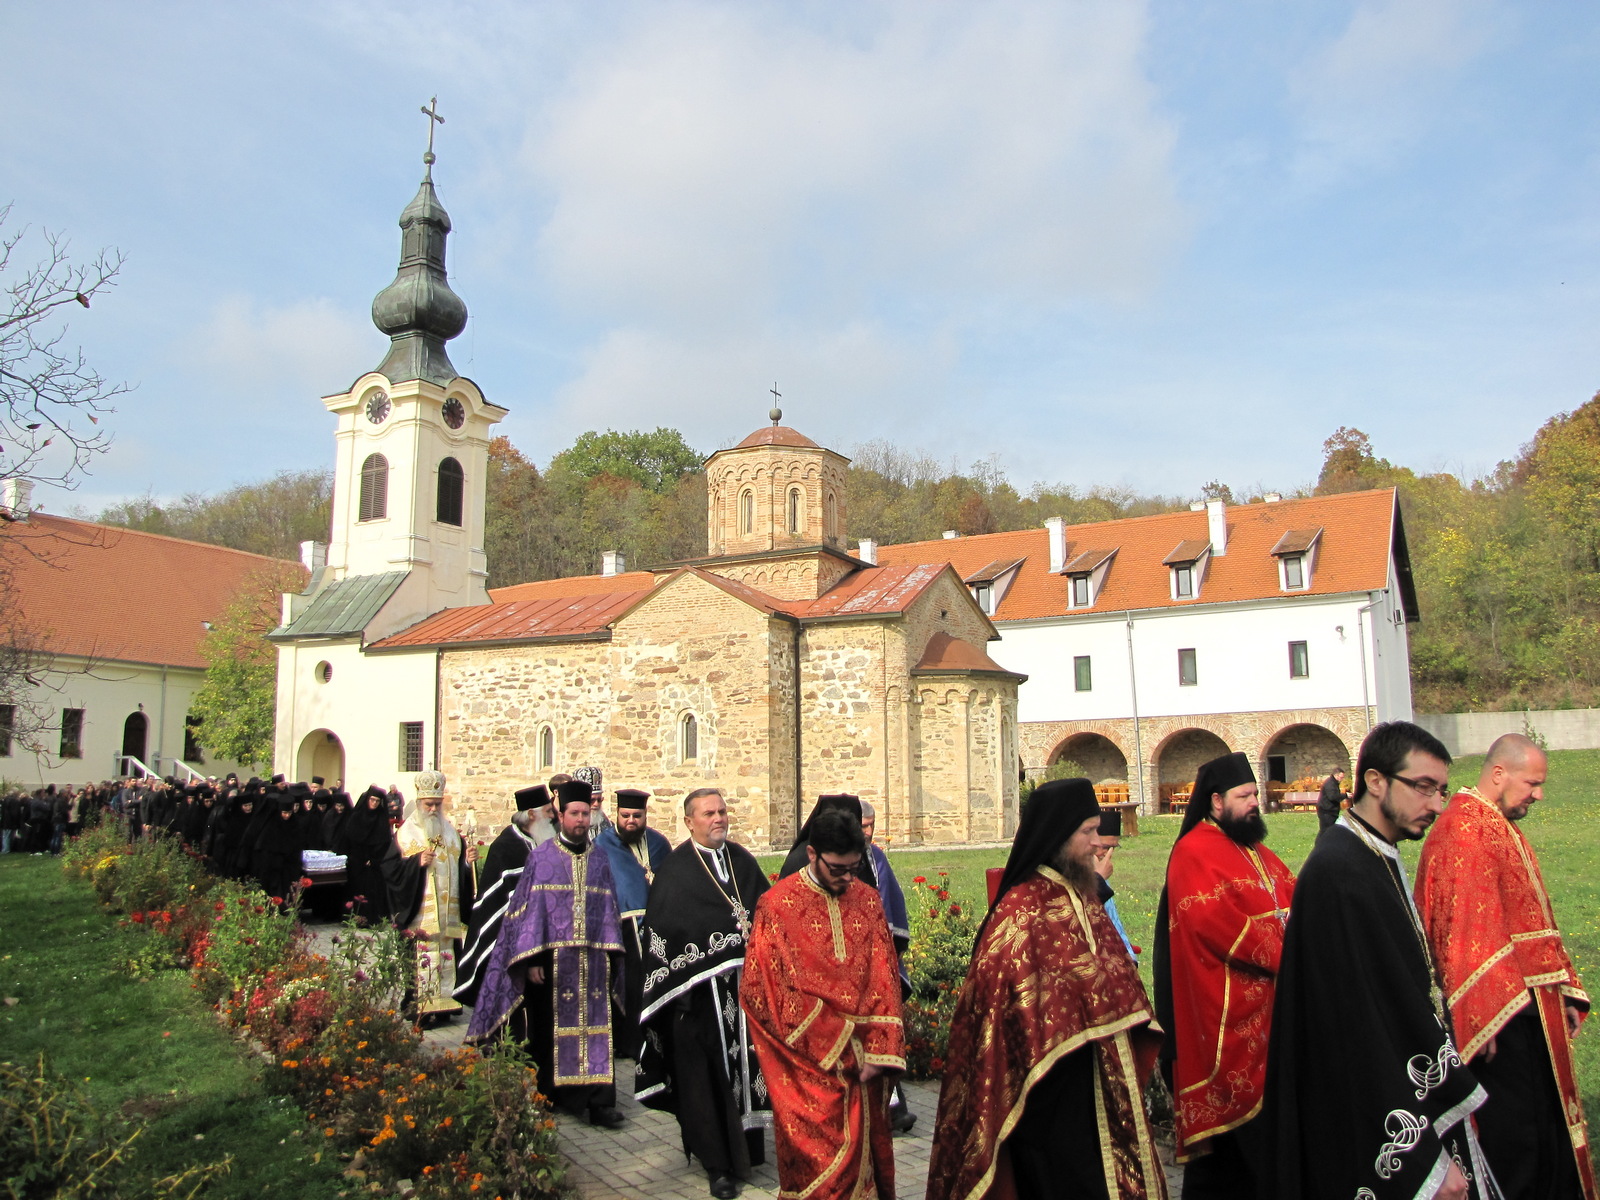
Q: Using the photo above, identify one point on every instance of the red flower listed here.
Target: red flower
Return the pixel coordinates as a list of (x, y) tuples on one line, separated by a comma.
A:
[(942, 874), (955, 910), (933, 912), (920, 879), (943, 895), (137, 918), (305, 881), (221, 906)]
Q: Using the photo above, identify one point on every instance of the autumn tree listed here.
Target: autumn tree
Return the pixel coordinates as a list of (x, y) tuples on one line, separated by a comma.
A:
[(237, 703)]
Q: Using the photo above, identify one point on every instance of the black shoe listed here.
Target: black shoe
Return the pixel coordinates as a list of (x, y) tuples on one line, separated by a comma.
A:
[(607, 1118), (901, 1119), (724, 1186)]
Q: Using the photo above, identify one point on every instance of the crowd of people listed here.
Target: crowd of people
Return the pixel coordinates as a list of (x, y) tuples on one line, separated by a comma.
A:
[(1343, 1034)]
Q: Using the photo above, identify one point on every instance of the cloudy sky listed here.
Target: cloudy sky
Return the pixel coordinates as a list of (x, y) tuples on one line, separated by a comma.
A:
[(1145, 244)]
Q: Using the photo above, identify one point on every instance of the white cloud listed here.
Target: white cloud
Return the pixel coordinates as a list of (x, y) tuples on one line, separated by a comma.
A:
[(311, 347), (721, 163), (1375, 89)]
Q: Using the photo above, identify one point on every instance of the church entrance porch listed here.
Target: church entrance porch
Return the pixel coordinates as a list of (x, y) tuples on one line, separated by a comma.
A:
[(321, 754)]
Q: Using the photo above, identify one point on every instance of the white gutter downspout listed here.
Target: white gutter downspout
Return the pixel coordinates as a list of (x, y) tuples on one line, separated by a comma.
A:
[(1361, 637), (1138, 740), (161, 732)]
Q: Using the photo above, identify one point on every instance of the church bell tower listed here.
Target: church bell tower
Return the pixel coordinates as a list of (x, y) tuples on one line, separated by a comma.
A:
[(413, 435)]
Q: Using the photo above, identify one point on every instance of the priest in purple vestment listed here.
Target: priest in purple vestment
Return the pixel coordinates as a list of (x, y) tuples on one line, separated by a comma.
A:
[(556, 965)]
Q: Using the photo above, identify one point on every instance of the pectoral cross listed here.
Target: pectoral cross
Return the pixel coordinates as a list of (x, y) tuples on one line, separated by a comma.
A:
[(741, 917), (431, 111)]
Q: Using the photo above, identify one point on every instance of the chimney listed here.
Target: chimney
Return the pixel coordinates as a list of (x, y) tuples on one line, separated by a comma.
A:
[(1272, 497), (16, 498), (1057, 529), (868, 552), (1197, 506), (950, 533), (314, 555), (613, 562), (1217, 526)]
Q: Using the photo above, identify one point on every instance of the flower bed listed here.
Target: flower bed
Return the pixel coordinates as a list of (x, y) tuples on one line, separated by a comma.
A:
[(456, 1124)]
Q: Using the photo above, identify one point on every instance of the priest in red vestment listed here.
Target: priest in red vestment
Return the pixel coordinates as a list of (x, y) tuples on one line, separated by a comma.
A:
[(822, 993), (1053, 1038), (1514, 996), (1219, 936)]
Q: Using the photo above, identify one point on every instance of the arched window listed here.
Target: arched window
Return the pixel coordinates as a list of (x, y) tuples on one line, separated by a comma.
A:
[(452, 483), (374, 504), (747, 511), (547, 747), (688, 738), (830, 526), (795, 510)]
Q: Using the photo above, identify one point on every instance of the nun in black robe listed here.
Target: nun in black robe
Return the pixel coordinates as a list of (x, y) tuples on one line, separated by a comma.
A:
[(365, 836), (277, 857)]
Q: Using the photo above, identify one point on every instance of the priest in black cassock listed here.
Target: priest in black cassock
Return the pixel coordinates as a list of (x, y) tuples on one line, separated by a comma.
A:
[(502, 867), (697, 1060), (1366, 1096), (635, 852)]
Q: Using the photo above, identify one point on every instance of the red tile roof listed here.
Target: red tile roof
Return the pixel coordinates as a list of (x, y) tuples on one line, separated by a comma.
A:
[(945, 653), (1352, 556), (778, 435), (577, 607), (100, 591), (518, 620)]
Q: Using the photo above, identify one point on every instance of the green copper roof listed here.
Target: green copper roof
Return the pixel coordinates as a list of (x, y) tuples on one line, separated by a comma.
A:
[(344, 608), (418, 310)]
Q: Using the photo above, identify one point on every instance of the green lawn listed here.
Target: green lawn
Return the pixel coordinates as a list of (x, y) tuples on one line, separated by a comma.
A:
[(147, 1049), (1564, 830)]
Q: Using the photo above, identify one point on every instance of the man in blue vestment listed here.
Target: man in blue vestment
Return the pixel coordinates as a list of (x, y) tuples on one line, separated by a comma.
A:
[(635, 851)]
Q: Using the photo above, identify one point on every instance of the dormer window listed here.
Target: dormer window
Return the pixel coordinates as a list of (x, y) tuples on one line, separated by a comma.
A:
[(1086, 574), (1296, 553), (1188, 564), (988, 584)]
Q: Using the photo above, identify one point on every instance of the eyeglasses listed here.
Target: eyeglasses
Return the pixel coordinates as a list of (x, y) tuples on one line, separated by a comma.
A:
[(840, 869), (1426, 788)]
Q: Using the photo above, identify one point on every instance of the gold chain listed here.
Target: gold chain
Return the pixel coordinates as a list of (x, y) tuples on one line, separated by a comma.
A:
[(741, 915)]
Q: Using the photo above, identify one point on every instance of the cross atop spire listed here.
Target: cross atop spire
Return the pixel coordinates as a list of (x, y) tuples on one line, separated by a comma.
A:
[(431, 111), (776, 414)]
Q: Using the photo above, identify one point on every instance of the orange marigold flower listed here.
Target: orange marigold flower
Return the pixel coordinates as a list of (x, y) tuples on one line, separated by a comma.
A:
[(290, 1063)]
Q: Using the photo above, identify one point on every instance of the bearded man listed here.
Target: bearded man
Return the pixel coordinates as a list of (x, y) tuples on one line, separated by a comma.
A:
[(1053, 1038), (549, 978), (1515, 997), (1366, 1095), (697, 1060), (502, 867), (634, 851), (429, 876), (822, 994), (1219, 937)]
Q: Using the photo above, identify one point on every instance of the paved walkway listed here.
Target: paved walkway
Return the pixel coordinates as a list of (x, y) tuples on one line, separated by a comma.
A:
[(644, 1159)]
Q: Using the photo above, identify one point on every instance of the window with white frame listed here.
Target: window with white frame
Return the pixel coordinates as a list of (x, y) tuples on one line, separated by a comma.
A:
[(1188, 671), (1082, 590), (1082, 674), (1183, 581), (983, 593), (411, 746), (1294, 572)]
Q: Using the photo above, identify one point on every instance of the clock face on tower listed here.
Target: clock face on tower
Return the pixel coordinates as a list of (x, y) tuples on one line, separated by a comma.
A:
[(454, 415), (377, 407)]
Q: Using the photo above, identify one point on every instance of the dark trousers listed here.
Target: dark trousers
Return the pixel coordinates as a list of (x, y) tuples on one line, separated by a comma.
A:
[(535, 1023), (707, 1113), (1228, 1172), (1055, 1148), (625, 1031), (1522, 1128)]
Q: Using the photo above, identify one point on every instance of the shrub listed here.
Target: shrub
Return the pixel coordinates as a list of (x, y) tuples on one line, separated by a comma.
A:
[(54, 1143), (941, 947)]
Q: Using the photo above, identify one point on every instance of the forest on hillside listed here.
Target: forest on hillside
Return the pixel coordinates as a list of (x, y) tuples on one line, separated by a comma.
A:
[(1507, 565)]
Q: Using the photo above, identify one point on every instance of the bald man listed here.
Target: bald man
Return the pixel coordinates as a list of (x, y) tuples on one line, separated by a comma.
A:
[(1515, 999)]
